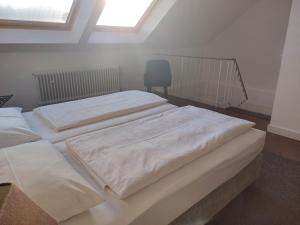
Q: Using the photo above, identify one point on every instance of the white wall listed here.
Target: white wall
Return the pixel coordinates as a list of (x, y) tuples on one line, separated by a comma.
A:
[(18, 63), (256, 39), (286, 112), (253, 33)]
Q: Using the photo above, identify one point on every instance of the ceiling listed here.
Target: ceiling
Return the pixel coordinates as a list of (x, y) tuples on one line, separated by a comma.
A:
[(172, 23), (84, 28)]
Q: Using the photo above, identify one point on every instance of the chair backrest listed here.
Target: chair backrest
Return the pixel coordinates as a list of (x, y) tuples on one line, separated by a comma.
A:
[(158, 74), (4, 99)]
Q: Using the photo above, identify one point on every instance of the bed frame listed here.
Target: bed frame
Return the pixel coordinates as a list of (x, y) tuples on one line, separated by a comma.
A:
[(206, 209)]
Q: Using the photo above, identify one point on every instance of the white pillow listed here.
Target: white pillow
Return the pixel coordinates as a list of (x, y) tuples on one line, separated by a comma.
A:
[(48, 179), (13, 128)]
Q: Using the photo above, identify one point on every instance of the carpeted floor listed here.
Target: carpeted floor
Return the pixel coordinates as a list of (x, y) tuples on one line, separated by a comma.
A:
[(274, 199)]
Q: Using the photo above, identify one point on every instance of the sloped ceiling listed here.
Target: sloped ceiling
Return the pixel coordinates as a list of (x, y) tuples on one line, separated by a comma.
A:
[(193, 22), (84, 29), (172, 23)]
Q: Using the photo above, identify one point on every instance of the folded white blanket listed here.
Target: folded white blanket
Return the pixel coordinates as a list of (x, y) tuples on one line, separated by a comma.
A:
[(43, 174), (128, 157), (81, 112)]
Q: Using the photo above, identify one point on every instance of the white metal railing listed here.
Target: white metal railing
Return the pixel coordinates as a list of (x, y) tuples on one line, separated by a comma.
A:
[(213, 81)]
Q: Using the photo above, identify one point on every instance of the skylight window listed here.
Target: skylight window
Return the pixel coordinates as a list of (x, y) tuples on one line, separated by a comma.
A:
[(35, 11), (121, 13)]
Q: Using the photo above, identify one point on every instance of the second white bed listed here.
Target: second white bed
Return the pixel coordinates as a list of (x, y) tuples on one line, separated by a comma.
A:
[(163, 201), (47, 133)]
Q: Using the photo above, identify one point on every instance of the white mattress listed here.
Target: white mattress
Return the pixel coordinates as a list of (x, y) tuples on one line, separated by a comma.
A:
[(47, 133), (163, 201), (81, 112)]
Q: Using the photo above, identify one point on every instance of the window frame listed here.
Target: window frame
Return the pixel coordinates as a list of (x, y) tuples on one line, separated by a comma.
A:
[(137, 27), (40, 25)]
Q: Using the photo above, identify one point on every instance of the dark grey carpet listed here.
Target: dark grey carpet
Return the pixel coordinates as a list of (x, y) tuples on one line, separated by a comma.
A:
[(274, 199)]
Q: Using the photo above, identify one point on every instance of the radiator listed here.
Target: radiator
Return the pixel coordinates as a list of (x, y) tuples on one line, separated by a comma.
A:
[(61, 86)]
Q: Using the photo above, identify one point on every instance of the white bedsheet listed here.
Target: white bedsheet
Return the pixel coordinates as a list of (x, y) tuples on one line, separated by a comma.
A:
[(41, 128), (163, 201), (129, 157), (81, 112)]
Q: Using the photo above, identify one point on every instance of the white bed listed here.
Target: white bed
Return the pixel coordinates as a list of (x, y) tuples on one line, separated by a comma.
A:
[(47, 133), (169, 197), (163, 201)]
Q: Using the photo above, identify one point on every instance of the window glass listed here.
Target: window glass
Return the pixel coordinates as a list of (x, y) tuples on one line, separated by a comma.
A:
[(121, 13), (52, 11)]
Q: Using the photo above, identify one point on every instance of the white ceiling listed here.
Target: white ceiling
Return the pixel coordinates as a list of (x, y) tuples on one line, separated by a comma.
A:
[(172, 23), (83, 30)]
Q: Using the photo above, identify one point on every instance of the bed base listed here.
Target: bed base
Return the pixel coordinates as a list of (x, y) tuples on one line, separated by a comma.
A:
[(207, 208)]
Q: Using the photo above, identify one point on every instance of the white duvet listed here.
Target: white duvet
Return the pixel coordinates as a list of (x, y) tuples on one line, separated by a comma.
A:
[(81, 112), (131, 156)]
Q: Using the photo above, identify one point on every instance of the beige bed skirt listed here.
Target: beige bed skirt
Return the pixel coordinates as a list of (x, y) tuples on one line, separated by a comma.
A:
[(207, 208)]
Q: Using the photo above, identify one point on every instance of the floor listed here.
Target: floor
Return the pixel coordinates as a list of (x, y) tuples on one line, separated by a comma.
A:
[(274, 199)]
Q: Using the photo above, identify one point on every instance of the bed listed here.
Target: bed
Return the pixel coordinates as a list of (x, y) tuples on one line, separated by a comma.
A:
[(212, 180), (202, 180), (165, 200)]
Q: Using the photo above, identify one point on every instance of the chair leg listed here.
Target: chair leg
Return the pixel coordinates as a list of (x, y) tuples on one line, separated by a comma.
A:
[(166, 91), (149, 89)]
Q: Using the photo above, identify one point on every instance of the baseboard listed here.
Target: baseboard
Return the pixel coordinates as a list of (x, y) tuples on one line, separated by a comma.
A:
[(289, 133), (250, 113), (258, 108)]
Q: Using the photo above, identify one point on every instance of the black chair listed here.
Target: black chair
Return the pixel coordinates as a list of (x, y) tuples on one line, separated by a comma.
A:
[(158, 74)]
